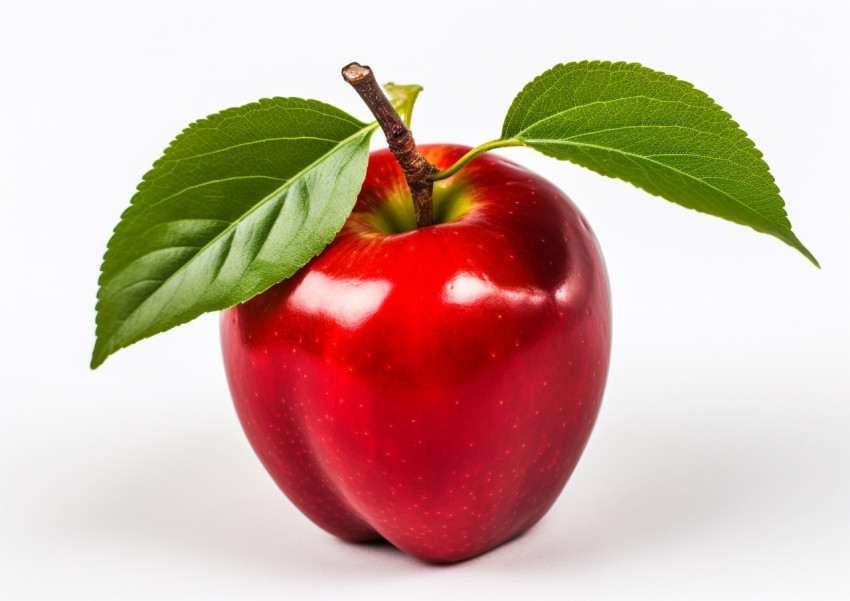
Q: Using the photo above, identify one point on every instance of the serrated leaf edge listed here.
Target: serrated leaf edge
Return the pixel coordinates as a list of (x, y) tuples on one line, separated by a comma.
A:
[(99, 357), (786, 236)]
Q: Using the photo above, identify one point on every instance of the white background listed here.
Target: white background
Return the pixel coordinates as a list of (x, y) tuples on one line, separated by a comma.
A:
[(720, 464)]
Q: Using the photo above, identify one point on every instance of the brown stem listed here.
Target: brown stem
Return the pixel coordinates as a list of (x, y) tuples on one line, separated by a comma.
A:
[(415, 167)]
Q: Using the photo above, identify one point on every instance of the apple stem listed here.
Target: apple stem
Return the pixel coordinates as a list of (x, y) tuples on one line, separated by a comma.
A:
[(415, 167), (446, 173)]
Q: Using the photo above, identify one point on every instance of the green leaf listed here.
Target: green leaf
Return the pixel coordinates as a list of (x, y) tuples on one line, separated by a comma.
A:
[(240, 201), (403, 97), (654, 131)]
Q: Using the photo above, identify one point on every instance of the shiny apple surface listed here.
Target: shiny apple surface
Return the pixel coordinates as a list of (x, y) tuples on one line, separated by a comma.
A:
[(432, 387)]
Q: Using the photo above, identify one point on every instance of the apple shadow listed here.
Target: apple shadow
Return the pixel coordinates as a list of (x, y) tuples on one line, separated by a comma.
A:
[(660, 483), (203, 495), (206, 496), (383, 547)]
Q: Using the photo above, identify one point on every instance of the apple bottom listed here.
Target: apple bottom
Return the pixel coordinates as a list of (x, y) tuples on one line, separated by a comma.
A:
[(433, 388), (463, 476)]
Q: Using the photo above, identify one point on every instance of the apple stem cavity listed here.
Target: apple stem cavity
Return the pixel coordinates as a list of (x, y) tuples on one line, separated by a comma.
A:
[(415, 167)]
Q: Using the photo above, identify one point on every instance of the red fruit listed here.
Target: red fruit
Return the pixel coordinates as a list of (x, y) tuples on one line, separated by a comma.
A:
[(434, 387)]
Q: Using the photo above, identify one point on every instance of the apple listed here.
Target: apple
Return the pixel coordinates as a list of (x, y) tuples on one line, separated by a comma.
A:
[(430, 377), (434, 387)]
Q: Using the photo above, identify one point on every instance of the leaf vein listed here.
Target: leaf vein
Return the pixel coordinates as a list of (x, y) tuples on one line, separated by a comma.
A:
[(243, 144), (215, 239), (635, 157), (558, 114)]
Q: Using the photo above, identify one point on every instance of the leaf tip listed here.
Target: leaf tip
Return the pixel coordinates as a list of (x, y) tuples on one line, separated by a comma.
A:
[(97, 358), (807, 254), (791, 240)]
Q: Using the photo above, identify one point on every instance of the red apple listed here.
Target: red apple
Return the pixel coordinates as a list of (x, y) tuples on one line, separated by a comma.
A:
[(434, 387)]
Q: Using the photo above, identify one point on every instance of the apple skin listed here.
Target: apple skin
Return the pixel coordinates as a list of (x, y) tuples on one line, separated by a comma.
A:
[(433, 388)]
